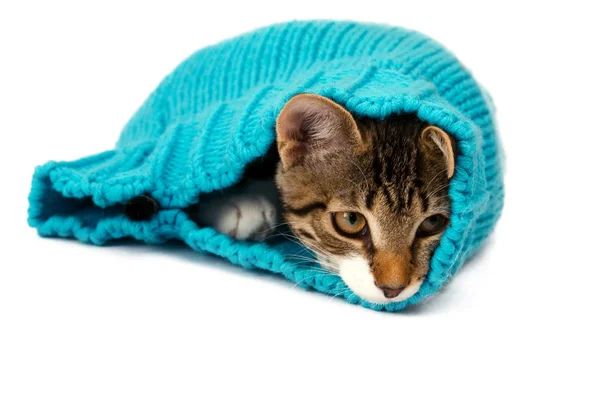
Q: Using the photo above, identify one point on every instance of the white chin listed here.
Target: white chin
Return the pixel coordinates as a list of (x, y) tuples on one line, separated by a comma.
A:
[(357, 275)]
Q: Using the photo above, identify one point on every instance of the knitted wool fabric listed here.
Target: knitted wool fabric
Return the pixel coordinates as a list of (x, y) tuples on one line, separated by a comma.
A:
[(216, 113)]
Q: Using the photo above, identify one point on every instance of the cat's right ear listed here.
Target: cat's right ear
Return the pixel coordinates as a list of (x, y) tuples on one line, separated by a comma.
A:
[(311, 126), (439, 146)]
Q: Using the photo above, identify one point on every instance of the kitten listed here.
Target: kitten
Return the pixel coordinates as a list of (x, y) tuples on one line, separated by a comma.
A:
[(369, 197)]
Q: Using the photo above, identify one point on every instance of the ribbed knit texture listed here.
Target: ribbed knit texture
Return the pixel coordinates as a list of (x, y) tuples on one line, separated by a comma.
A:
[(216, 113)]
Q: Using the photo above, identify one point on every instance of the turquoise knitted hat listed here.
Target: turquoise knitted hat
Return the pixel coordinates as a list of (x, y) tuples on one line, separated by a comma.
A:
[(216, 113)]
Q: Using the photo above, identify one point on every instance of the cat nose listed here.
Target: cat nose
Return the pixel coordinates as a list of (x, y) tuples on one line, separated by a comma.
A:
[(390, 292)]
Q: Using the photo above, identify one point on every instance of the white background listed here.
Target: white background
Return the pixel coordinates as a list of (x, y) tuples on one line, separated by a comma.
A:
[(129, 325)]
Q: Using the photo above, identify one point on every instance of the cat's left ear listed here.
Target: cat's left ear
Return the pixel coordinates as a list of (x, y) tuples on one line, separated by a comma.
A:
[(436, 141), (310, 126)]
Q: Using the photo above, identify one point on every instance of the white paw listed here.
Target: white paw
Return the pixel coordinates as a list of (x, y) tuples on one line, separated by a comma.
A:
[(247, 218), (245, 212)]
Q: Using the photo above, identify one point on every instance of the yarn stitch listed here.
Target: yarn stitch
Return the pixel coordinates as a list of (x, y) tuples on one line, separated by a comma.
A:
[(216, 112)]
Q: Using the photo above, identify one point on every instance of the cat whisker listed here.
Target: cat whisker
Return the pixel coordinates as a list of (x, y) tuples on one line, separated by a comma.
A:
[(271, 236), (304, 279), (320, 256), (353, 162), (317, 251), (301, 260), (307, 259), (443, 171), (278, 225), (338, 294), (436, 191), (305, 243), (290, 237)]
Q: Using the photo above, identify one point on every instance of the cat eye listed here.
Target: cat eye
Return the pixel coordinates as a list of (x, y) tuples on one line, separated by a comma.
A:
[(349, 224), (432, 225)]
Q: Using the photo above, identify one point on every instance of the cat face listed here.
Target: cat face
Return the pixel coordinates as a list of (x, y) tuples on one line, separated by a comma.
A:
[(369, 197)]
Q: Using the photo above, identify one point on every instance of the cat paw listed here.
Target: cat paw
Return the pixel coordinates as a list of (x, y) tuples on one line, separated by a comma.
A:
[(247, 218), (248, 211)]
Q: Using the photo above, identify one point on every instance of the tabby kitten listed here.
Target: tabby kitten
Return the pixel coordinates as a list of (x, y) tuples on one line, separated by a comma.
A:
[(369, 197)]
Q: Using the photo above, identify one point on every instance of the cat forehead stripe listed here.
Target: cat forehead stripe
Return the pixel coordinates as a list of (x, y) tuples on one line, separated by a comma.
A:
[(306, 209)]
